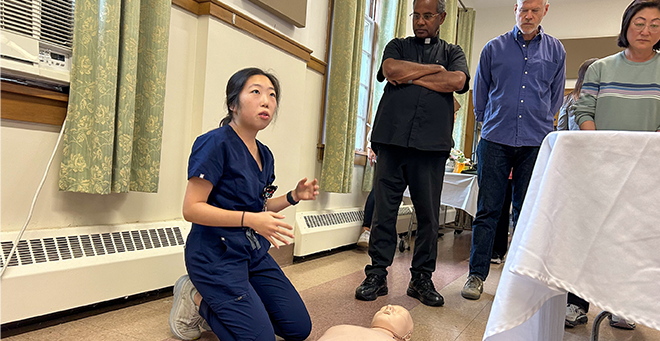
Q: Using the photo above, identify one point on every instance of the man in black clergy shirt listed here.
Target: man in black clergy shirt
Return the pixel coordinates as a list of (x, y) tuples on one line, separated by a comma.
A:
[(412, 138)]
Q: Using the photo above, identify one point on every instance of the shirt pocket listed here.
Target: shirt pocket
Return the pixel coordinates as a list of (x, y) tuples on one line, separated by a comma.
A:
[(542, 73)]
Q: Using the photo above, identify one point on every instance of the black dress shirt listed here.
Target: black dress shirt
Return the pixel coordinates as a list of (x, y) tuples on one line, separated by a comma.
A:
[(413, 116)]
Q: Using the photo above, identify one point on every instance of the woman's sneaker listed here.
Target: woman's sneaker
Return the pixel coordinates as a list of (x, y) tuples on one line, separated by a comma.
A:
[(184, 316), (575, 316), (363, 241), (621, 323)]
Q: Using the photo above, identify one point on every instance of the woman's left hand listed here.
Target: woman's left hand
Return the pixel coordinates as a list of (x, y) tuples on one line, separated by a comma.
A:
[(306, 190)]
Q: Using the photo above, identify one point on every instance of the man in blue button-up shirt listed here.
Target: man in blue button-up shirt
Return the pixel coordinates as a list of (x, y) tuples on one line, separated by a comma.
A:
[(518, 88)]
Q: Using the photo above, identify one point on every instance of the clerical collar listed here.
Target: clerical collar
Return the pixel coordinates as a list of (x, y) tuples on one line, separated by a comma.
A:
[(426, 41)]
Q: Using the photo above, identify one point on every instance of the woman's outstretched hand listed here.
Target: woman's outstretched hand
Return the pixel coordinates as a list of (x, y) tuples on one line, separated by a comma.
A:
[(270, 225), (306, 190)]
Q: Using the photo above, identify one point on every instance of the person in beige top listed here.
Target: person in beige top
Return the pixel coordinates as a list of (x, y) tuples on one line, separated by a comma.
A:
[(391, 322)]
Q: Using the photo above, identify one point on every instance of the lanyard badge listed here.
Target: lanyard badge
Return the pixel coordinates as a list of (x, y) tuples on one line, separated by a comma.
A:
[(268, 193)]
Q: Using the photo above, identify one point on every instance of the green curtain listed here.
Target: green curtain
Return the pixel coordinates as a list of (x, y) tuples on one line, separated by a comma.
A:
[(114, 124), (341, 105), (464, 39), (448, 28), (392, 24)]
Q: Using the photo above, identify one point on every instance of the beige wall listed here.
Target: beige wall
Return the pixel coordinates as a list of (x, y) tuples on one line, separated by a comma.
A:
[(26, 149), (565, 19), (203, 53)]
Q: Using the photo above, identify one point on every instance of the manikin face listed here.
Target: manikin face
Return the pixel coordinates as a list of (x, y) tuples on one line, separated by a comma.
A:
[(529, 14), (424, 28), (394, 318), (644, 30), (257, 103)]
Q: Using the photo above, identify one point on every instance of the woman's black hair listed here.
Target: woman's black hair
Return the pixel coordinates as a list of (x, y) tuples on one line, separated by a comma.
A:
[(235, 86), (581, 72), (633, 8)]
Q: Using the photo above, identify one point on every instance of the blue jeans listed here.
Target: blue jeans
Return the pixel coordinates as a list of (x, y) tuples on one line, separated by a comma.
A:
[(494, 165)]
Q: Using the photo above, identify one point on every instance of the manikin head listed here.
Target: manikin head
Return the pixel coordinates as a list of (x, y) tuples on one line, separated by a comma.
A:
[(395, 319)]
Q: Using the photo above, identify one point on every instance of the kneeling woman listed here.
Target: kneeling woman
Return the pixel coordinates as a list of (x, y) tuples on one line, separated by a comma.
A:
[(234, 284)]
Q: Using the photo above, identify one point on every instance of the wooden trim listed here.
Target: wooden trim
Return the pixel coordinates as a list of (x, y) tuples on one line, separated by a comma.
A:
[(190, 6), (321, 144), (360, 159), (317, 65), (244, 22), (28, 104)]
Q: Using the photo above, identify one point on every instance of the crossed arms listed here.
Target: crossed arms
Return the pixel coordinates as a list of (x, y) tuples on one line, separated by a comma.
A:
[(431, 76)]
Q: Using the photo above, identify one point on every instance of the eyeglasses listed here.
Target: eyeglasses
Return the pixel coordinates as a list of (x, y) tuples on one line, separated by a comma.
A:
[(640, 25), (426, 16)]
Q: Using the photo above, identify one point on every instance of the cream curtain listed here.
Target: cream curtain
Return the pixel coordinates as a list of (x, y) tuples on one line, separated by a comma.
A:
[(464, 39), (114, 124), (341, 104), (392, 24), (448, 28)]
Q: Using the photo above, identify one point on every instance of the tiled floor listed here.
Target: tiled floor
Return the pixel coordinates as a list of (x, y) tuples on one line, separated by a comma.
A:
[(327, 286)]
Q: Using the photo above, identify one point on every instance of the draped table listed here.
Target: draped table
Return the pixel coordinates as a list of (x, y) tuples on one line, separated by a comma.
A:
[(589, 225)]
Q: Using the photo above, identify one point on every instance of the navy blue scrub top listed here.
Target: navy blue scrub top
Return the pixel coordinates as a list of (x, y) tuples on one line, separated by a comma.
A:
[(221, 157)]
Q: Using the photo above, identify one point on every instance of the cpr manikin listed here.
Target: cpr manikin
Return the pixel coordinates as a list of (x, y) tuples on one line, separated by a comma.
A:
[(391, 322)]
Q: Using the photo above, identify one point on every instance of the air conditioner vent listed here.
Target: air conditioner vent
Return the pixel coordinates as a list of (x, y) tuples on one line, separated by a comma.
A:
[(57, 22), (20, 16), (46, 20)]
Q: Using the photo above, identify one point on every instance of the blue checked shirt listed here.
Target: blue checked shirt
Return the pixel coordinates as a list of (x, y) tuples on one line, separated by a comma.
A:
[(519, 88)]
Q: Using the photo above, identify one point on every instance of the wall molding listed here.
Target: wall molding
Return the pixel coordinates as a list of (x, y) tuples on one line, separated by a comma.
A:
[(28, 104), (245, 23)]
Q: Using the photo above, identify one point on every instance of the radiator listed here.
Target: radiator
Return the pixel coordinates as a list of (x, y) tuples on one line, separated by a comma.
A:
[(318, 231), (59, 269)]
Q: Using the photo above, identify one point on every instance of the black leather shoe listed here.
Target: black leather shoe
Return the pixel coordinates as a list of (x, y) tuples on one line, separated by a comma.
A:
[(421, 287), (372, 287)]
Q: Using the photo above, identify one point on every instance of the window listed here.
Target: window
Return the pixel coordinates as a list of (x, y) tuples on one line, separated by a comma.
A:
[(367, 73)]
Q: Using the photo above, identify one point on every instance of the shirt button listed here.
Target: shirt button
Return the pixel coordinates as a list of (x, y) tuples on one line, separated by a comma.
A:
[(525, 72), (525, 58), (520, 116), (523, 86), (523, 45), (521, 101)]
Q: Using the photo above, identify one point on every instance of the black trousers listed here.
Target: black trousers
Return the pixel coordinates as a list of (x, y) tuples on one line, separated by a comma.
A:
[(423, 172), (368, 210)]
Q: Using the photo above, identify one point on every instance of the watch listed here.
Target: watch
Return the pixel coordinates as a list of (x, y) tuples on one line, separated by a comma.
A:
[(289, 198)]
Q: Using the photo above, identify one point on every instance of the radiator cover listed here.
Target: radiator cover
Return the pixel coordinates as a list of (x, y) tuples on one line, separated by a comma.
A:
[(59, 269), (318, 231)]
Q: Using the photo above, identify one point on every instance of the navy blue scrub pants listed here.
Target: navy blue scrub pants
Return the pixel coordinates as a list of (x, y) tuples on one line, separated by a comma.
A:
[(494, 167), (246, 296), (423, 172)]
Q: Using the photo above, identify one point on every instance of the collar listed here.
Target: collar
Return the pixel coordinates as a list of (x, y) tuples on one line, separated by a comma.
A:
[(516, 31), (421, 41)]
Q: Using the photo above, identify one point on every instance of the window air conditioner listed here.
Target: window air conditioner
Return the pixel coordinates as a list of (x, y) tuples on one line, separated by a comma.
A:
[(37, 37)]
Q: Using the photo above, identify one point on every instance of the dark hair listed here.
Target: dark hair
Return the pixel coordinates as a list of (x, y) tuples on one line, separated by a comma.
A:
[(583, 70), (633, 8), (440, 6), (236, 84)]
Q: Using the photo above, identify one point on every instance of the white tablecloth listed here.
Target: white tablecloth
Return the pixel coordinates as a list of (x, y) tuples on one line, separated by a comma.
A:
[(589, 225), (459, 191)]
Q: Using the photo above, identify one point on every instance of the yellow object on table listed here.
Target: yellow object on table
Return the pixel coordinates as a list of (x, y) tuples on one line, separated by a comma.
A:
[(459, 166)]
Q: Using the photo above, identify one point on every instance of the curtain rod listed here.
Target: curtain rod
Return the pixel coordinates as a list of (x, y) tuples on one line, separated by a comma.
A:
[(463, 5)]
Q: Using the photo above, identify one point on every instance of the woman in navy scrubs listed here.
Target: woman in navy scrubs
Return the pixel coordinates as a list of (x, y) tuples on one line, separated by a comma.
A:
[(235, 285)]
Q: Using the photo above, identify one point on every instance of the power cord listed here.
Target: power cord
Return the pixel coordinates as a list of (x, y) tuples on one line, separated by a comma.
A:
[(34, 201)]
